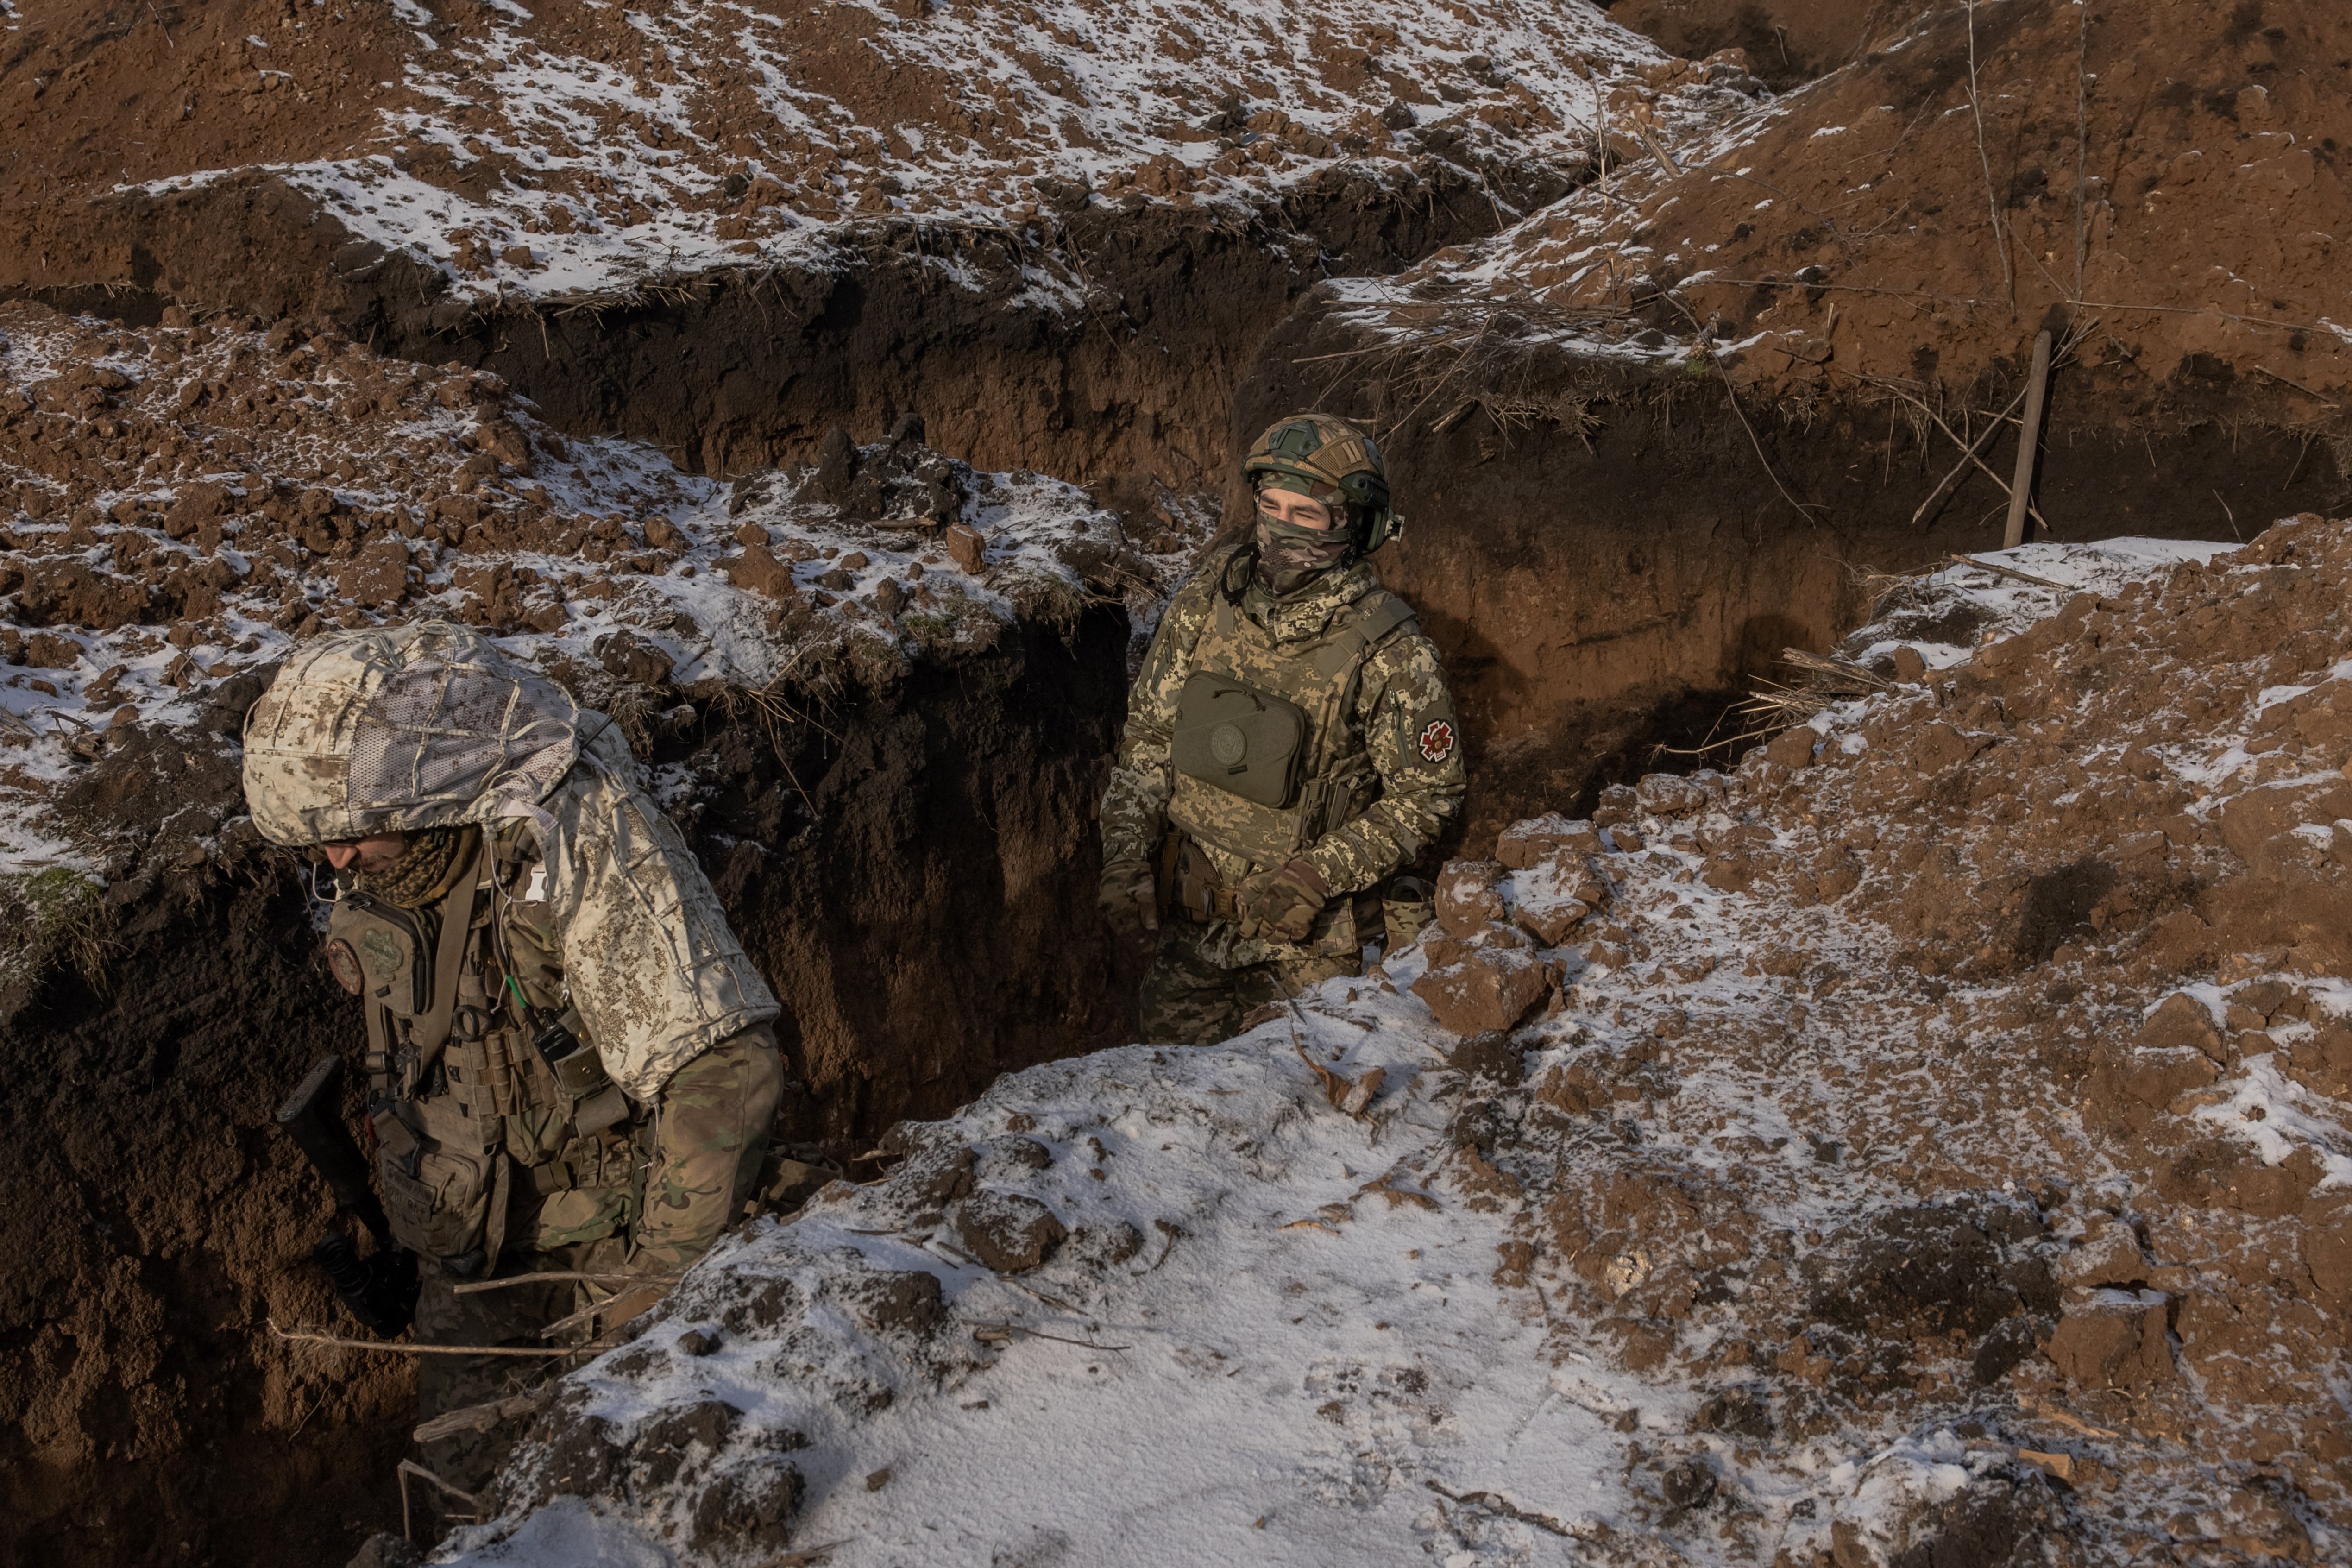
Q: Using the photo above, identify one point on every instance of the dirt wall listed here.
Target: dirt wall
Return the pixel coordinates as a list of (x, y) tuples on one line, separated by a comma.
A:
[(1788, 42), (905, 865), (1602, 591), (1099, 342), (152, 1218)]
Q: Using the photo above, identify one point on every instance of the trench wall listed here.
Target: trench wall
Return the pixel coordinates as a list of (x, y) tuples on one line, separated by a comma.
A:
[(1105, 343), (903, 864), (1599, 595)]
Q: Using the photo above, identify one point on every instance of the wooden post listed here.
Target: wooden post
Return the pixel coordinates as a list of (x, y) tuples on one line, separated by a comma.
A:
[(2028, 443)]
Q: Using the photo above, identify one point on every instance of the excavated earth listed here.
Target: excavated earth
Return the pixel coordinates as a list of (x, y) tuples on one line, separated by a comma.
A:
[(877, 690), (680, 354), (1719, 393), (1925, 1143)]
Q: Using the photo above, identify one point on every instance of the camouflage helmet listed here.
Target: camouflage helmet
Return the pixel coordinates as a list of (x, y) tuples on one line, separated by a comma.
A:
[(1318, 455)]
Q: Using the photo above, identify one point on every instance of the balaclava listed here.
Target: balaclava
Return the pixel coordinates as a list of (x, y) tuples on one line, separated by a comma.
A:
[(1288, 556)]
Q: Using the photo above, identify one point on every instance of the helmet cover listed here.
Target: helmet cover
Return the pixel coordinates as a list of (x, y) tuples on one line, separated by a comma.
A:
[(1330, 459)]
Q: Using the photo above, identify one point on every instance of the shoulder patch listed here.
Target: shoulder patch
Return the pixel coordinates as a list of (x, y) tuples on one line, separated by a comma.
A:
[(1437, 740)]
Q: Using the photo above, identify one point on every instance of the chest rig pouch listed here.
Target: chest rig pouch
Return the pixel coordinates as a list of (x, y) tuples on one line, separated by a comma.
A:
[(438, 1152), (1235, 738), (1264, 758)]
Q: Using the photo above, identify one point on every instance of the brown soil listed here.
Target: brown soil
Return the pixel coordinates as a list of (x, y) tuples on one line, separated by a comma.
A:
[(909, 888), (1788, 42), (1599, 594), (1604, 544), (2066, 1205), (1852, 238), (787, 117), (1127, 369), (1607, 544), (152, 1221), (891, 829)]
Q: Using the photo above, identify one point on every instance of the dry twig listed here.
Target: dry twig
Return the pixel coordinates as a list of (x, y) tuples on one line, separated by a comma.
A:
[(1992, 197), (1037, 1334), (554, 1276), (1999, 571), (807, 1556), (304, 1337), (482, 1417), (1972, 454), (1838, 677)]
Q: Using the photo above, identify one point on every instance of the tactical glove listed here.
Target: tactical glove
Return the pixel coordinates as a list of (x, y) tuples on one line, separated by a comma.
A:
[(1130, 898), (1281, 906)]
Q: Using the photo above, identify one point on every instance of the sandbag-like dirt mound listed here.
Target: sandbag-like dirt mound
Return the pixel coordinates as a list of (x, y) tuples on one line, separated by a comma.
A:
[(1926, 1142)]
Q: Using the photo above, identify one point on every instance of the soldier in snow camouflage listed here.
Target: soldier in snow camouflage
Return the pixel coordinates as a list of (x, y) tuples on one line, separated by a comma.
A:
[(1291, 746), (570, 1064)]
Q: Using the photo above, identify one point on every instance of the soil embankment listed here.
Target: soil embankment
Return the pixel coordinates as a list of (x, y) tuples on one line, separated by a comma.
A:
[(1647, 437), (877, 694), (1665, 427), (909, 889), (1612, 579)]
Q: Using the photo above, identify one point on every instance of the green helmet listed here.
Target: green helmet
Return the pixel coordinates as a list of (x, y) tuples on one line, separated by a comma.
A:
[(1327, 457)]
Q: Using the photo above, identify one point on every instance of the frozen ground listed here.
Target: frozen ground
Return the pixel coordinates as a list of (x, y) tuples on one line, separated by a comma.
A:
[(586, 150), (1772, 1235), (180, 505)]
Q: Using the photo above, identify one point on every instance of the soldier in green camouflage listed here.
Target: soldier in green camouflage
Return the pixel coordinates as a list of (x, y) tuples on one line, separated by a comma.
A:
[(1291, 747)]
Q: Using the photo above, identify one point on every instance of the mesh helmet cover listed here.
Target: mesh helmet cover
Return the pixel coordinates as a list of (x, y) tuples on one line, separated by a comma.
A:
[(390, 731)]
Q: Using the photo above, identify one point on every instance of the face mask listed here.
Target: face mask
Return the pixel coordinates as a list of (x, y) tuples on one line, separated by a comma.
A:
[(1289, 556)]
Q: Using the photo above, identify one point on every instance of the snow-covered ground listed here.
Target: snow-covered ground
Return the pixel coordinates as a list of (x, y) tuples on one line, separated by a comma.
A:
[(1693, 1266), (586, 150), (440, 494)]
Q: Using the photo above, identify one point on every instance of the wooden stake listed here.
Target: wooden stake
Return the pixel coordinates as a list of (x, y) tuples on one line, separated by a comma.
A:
[(2029, 442)]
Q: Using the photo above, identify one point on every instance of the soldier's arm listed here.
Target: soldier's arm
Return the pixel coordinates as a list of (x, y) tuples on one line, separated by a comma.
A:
[(1414, 742), (534, 947), (1135, 802)]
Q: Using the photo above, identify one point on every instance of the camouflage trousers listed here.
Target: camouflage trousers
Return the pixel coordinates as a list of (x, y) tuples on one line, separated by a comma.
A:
[(696, 1159), (1189, 1000)]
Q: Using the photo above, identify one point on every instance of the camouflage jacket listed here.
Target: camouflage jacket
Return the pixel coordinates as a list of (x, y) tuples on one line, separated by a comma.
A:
[(394, 730), (1397, 735)]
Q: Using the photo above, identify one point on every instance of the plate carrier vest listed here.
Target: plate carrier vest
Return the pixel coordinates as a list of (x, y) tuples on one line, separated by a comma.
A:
[(1257, 748), (467, 1077)]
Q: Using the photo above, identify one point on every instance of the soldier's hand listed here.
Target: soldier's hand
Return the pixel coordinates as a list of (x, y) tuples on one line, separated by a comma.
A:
[(1281, 906), (1130, 898)]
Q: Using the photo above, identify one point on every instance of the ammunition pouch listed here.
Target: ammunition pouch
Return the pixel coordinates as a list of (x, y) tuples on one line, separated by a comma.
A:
[(439, 1201), (1235, 738), (591, 1101)]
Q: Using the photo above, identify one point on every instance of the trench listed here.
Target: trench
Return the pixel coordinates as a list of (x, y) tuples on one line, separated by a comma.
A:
[(915, 872)]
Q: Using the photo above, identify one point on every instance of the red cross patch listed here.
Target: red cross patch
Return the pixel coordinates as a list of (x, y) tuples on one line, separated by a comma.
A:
[(1437, 740)]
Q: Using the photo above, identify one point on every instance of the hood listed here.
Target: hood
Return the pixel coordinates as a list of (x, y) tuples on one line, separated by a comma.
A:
[(393, 728)]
